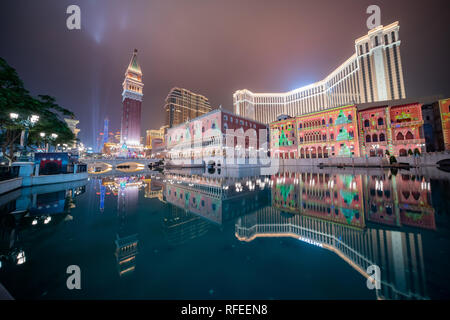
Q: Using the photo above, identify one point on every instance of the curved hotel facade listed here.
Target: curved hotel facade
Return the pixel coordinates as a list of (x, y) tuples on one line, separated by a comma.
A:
[(372, 73)]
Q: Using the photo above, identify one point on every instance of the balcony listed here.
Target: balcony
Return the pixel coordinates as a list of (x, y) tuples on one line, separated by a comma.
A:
[(410, 141)]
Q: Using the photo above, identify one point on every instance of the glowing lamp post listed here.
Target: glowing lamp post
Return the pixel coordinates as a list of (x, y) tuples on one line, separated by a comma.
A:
[(28, 123)]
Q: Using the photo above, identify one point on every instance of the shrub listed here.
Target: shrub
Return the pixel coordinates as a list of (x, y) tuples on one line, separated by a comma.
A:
[(392, 159)]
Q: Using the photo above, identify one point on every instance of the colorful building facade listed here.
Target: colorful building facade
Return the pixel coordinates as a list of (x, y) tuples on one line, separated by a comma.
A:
[(330, 133), (332, 197), (444, 106), (406, 124), (374, 132), (324, 134), (283, 139), (348, 132)]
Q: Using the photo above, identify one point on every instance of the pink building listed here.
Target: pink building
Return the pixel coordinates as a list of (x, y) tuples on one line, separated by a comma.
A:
[(215, 136)]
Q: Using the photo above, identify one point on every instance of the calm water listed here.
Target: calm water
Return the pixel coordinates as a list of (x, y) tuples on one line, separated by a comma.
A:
[(233, 235)]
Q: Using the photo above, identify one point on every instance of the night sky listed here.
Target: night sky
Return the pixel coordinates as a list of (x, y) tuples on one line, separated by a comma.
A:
[(212, 47)]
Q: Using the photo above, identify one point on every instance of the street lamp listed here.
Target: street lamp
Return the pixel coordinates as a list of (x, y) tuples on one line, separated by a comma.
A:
[(28, 123), (34, 118)]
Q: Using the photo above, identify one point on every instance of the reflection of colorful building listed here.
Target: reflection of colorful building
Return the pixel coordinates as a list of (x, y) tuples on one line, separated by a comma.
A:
[(403, 200), (332, 197), (181, 226), (398, 254)]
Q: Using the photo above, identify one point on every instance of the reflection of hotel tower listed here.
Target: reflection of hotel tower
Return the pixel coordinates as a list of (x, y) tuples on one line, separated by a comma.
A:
[(330, 215), (127, 238)]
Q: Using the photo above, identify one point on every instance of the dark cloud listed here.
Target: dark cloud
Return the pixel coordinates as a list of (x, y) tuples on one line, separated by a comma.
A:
[(212, 47)]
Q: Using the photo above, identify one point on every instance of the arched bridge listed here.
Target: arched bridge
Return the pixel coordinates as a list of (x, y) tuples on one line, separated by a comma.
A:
[(99, 166)]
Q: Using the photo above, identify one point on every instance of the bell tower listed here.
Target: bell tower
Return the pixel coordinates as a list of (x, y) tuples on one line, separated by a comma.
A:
[(132, 95)]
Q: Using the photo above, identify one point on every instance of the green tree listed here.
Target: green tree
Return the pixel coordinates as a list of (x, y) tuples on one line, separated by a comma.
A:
[(14, 98)]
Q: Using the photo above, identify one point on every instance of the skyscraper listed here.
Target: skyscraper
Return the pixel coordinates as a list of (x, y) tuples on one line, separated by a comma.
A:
[(132, 99), (373, 73), (182, 105)]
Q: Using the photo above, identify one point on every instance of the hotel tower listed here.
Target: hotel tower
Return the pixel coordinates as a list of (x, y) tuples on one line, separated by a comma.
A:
[(372, 73), (183, 105), (132, 99)]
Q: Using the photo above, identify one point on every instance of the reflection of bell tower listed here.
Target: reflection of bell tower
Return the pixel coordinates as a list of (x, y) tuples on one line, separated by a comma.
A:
[(132, 99), (127, 237)]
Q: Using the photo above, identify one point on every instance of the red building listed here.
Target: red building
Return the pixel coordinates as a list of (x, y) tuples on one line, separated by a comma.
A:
[(375, 138), (329, 133), (406, 124), (393, 129), (132, 99), (402, 200)]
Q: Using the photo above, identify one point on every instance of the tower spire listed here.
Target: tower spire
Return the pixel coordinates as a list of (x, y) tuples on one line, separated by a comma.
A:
[(134, 66)]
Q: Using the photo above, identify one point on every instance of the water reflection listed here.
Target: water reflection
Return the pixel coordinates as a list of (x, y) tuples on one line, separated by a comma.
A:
[(376, 218), (31, 214), (329, 211)]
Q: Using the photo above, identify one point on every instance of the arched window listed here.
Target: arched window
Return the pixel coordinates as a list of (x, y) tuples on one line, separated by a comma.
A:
[(366, 123), (409, 135), (400, 136), (349, 117), (374, 138), (330, 121), (300, 125), (380, 121), (332, 136), (382, 138), (323, 122), (368, 138)]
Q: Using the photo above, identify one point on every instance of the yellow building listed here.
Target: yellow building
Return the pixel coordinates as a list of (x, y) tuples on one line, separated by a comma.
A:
[(154, 134), (183, 105)]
